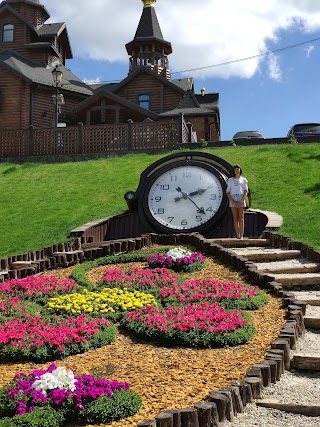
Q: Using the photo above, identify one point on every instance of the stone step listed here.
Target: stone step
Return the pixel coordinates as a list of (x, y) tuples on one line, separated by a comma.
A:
[(267, 254), (312, 317), (296, 265), (308, 410), (76, 252), (240, 243), (312, 298), (299, 279), (312, 322), (17, 265), (306, 363)]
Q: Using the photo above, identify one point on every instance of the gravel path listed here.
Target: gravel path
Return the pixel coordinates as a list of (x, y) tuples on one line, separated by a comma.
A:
[(296, 387), (265, 417)]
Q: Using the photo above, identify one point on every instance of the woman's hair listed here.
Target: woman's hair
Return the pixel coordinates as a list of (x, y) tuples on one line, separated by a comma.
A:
[(234, 167)]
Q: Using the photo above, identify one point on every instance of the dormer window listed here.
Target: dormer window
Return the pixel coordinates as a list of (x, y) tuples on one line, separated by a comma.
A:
[(144, 101), (7, 33)]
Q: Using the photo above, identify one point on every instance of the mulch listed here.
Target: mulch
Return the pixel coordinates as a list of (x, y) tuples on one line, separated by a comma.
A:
[(169, 378)]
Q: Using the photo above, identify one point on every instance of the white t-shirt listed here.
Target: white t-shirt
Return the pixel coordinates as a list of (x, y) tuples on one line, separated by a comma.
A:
[(237, 185)]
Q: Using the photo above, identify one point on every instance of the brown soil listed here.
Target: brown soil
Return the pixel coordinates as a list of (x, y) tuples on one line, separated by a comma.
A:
[(170, 378)]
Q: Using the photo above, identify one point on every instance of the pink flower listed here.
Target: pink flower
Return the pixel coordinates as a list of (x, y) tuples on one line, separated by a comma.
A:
[(209, 317)]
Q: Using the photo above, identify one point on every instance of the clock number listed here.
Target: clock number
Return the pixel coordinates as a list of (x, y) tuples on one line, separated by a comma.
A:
[(198, 218), (160, 211), (210, 185), (157, 199), (209, 209), (171, 218), (187, 174), (164, 187), (184, 222), (173, 178), (213, 197)]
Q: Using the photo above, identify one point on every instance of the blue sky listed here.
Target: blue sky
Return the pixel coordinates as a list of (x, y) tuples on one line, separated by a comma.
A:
[(268, 94)]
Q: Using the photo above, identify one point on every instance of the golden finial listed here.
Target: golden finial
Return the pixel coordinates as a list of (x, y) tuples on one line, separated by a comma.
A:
[(148, 3)]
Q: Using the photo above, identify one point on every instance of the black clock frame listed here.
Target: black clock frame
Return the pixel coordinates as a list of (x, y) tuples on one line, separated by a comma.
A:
[(138, 201)]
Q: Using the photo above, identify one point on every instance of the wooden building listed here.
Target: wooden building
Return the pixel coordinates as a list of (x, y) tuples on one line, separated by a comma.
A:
[(30, 48)]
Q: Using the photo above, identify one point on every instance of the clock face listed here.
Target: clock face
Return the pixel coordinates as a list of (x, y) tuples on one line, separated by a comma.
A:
[(186, 197)]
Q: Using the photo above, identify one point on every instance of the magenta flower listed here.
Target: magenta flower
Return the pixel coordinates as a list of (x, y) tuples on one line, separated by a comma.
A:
[(205, 317), (196, 290), (38, 286), (139, 278), (86, 390)]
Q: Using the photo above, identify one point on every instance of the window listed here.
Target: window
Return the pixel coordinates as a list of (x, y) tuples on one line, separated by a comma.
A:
[(7, 34), (144, 101)]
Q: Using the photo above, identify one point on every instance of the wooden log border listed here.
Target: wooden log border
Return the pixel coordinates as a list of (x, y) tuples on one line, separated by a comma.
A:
[(227, 402)]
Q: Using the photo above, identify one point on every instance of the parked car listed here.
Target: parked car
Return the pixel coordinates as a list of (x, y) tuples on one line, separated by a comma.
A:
[(305, 129), (248, 134)]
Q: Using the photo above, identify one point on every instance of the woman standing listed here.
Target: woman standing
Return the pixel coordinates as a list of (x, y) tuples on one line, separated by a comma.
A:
[(237, 190)]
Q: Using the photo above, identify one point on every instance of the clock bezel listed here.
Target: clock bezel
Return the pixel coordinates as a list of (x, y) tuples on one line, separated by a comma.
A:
[(144, 209)]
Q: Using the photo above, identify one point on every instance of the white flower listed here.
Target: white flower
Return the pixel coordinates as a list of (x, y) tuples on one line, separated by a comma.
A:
[(178, 253), (59, 378)]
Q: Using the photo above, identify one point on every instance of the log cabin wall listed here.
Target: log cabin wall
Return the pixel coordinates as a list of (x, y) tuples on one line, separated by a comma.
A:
[(20, 35), (162, 98), (43, 106), (201, 125), (171, 98), (26, 10), (14, 113)]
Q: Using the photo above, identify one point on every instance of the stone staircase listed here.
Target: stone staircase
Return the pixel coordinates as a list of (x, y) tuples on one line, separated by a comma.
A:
[(296, 277)]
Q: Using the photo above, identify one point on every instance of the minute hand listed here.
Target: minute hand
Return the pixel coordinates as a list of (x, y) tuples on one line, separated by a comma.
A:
[(200, 210), (198, 192)]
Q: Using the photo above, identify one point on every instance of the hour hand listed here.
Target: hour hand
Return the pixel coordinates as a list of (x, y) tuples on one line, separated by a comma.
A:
[(184, 195), (198, 192), (176, 199)]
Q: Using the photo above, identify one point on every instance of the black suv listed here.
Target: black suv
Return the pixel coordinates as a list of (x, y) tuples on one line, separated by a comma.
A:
[(305, 129)]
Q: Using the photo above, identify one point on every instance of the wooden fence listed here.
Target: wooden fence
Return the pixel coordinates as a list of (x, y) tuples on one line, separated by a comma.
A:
[(93, 139)]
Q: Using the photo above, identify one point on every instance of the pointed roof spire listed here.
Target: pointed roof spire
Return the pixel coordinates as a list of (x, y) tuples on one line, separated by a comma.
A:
[(148, 48), (149, 25)]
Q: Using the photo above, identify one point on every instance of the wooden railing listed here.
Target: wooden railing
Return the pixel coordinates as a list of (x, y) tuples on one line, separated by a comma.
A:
[(93, 139)]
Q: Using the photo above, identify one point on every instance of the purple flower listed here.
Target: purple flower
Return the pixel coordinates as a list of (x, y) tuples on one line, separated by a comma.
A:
[(21, 408)]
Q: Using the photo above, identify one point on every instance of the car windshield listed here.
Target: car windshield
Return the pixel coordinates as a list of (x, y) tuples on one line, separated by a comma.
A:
[(248, 134), (308, 127)]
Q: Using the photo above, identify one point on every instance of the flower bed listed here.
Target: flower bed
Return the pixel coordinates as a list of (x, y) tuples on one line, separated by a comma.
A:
[(40, 338), (109, 302), (14, 307), (38, 288), (53, 396), (138, 278), (177, 259), (198, 325), (230, 295)]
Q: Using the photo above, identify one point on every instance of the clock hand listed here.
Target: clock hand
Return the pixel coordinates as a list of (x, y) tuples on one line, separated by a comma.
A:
[(199, 210), (199, 191), (184, 195)]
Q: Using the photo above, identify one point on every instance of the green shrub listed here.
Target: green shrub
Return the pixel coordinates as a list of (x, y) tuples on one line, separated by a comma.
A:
[(122, 404), (44, 416), (253, 303)]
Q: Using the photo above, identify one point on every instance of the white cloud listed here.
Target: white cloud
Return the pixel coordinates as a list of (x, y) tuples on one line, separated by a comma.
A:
[(309, 50), (274, 68), (202, 33), (90, 81)]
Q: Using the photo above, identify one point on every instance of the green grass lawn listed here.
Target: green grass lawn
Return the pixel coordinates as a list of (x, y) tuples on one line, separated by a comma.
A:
[(42, 202)]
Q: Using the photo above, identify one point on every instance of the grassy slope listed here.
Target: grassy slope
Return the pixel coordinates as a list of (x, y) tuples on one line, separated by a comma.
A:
[(41, 203)]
